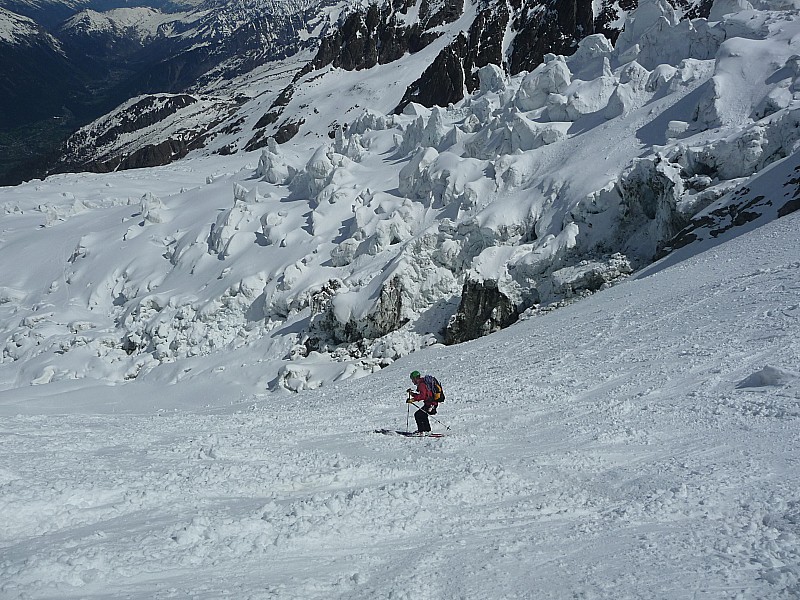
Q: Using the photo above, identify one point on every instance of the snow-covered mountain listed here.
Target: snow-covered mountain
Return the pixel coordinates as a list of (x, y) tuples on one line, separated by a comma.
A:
[(450, 43), (51, 13), (336, 257), (108, 53), (618, 427), (139, 24), (28, 50), (639, 444), (16, 29)]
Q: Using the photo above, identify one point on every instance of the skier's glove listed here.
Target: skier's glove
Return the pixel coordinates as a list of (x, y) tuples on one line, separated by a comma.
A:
[(410, 401)]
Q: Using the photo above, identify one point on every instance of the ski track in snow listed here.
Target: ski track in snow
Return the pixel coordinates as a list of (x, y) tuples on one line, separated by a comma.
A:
[(632, 445)]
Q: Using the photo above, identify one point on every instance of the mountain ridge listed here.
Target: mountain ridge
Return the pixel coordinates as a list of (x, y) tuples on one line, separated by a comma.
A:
[(183, 45), (112, 61)]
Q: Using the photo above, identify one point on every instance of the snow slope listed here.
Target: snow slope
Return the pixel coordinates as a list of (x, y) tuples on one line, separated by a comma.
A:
[(331, 259), (16, 29), (642, 443), (140, 23)]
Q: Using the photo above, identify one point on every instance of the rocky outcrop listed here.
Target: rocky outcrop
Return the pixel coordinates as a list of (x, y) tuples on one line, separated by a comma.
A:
[(554, 26), (154, 155), (743, 208), (442, 83), (484, 309), (386, 317), (161, 133), (379, 35)]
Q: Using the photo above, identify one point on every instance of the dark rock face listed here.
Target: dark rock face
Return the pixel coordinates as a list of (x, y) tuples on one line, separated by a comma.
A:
[(376, 36), (484, 43), (455, 69), (483, 309), (556, 27), (153, 155), (553, 26), (147, 112), (790, 207), (287, 131), (793, 194), (443, 82), (610, 13), (355, 45), (387, 317)]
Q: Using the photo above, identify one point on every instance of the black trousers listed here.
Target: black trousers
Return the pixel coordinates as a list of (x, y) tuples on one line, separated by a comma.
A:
[(421, 417)]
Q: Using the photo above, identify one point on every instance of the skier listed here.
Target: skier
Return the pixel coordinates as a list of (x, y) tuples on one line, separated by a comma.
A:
[(428, 395)]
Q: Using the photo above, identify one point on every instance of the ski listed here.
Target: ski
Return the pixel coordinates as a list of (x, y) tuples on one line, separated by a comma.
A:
[(408, 433)]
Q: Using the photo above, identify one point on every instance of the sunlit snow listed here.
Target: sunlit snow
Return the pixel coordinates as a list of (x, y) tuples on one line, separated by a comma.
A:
[(638, 442)]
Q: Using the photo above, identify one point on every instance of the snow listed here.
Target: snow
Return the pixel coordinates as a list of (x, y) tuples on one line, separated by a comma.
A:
[(193, 358), (16, 29), (139, 22), (641, 443), (303, 250)]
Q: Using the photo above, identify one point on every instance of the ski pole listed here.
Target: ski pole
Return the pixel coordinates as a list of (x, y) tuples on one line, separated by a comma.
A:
[(408, 414), (429, 415)]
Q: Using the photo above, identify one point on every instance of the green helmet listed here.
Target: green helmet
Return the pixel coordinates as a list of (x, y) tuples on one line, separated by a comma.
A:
[(415, 375)]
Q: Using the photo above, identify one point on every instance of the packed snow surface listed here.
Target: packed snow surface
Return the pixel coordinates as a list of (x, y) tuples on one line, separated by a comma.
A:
[(642, 443)]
